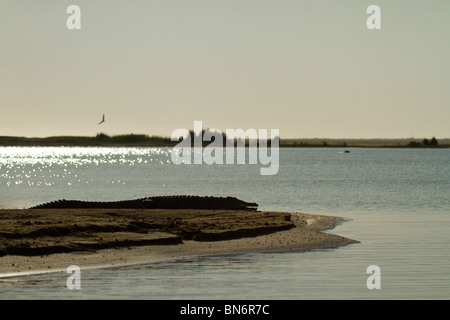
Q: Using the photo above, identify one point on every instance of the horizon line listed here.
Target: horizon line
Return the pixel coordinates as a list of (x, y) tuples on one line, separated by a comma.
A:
[(168, 137)]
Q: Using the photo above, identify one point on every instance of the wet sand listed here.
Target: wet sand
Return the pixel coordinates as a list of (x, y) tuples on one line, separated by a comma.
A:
[(48, 240)]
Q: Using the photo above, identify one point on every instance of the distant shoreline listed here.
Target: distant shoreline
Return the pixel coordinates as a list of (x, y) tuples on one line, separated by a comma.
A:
[(141, 140)]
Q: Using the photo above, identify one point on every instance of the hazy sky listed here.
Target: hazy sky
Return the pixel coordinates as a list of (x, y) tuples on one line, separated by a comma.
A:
[(308, 68)]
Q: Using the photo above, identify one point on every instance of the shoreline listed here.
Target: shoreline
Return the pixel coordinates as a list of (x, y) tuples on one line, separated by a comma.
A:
[(142, 140), (304, 235)]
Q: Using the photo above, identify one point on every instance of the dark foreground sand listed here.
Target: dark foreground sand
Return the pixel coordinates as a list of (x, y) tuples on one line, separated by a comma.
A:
[(48, 240)]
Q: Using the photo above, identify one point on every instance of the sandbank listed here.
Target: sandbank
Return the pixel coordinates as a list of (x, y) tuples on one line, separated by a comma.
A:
[(51, 240)]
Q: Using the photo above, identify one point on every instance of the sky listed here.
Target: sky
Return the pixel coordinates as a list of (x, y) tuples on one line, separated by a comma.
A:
[(311, 69)]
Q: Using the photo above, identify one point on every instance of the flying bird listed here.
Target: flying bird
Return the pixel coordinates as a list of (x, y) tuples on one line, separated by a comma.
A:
[(103, 120)]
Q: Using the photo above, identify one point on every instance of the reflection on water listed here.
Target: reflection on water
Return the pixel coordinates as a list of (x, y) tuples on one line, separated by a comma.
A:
[(44, 166), (309, 180)]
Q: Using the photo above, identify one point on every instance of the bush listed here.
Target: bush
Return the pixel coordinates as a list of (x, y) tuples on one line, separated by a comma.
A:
[(102, 136), (414, 144), (433, 141)]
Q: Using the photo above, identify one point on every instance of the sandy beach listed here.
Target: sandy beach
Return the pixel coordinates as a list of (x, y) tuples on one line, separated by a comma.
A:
[(49, 240)]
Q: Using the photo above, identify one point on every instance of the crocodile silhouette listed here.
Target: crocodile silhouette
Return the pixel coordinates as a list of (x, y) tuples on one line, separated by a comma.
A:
[(158, 202)]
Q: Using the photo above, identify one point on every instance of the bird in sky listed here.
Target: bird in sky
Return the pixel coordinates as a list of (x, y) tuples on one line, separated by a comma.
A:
[(103, 120)]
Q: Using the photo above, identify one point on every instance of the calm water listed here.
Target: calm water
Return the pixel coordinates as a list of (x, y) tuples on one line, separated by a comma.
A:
[(396, 201)]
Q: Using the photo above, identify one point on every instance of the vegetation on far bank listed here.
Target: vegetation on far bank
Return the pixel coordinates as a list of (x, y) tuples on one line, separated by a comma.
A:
[(102, 139)]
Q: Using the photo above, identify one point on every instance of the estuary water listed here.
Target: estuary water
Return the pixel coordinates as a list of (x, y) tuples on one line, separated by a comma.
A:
[(396, 202)]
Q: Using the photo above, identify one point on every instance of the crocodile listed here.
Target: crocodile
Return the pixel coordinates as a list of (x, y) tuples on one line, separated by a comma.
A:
[(157, 202)]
